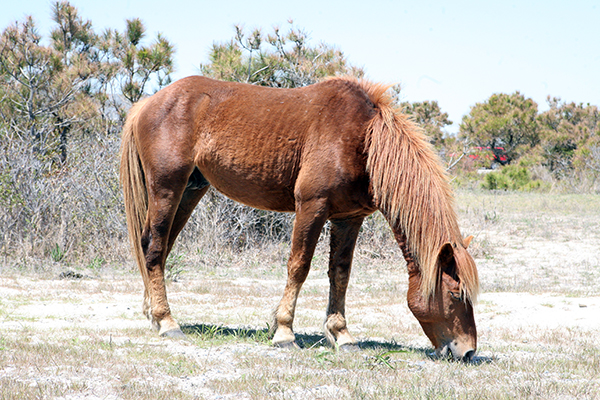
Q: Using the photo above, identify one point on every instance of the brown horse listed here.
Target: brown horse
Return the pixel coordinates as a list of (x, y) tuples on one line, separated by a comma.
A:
[(337, 150)]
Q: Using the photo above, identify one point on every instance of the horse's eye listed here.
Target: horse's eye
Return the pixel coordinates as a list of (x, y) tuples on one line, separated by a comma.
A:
[(456, 296)]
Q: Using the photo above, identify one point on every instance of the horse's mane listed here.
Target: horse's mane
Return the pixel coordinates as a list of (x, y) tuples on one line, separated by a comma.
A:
[(411, 189)]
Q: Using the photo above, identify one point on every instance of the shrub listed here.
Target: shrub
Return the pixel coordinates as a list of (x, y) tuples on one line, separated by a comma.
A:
[(513, 177), (61, 211)]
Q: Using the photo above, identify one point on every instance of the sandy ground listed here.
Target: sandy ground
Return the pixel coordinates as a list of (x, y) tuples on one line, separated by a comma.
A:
[(532, 285), (86, 309)]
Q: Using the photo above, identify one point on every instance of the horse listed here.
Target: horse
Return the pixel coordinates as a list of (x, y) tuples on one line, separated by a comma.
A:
[(338, 151)]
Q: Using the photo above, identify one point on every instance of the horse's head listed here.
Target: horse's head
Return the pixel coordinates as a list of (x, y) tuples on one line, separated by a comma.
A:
[(447, 315)]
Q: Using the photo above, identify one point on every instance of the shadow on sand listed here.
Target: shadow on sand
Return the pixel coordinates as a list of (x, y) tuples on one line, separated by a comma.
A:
[(310, 341)]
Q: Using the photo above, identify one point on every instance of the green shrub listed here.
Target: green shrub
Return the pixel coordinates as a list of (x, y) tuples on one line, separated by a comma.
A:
[(513, 177)]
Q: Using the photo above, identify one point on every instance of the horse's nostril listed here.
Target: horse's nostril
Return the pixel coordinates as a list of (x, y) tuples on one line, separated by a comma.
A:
[(469, 355)]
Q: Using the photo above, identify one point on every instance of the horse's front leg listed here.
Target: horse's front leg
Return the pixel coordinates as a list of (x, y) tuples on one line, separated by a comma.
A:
[(343, 240), (310, 218)]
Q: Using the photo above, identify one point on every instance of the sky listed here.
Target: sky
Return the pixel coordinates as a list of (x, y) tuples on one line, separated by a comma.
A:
[(456, 52)]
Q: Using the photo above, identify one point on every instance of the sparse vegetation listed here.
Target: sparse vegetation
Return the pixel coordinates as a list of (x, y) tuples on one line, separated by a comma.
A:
[(537, 319)]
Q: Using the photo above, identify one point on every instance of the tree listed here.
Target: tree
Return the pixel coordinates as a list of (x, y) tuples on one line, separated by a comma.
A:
[(277, 60), (62, 102), (430, 117), (81, 82), (38, 87), (503, 121), (570, 136), (73, 39), (139, 64), (129, 66)]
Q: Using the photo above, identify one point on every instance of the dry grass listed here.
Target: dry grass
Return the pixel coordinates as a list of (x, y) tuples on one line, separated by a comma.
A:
[(550, 241), (539, 331)]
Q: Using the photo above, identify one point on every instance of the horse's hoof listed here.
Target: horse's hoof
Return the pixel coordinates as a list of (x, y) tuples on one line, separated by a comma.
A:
[(286, 345), (349, 347), (173, 334)]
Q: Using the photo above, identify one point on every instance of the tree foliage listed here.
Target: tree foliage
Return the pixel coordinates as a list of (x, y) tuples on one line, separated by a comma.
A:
[(507, 122), (279, 59), (564, 140), (138, 63), (430, 117), (570, 136), (38, 89), (81, 82)]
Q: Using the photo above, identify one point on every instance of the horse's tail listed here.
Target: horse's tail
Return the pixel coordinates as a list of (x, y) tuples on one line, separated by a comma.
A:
[(134, 188)]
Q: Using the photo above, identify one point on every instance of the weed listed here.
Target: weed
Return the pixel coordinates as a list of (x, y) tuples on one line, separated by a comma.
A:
[(56, 253), (491, 216), (96, 263), (384, 358), (180, 366), (325, 357)]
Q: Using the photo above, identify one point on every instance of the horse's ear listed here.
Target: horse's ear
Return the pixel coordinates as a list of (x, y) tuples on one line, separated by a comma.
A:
[(467, 241), (446, 259), (446, 254)]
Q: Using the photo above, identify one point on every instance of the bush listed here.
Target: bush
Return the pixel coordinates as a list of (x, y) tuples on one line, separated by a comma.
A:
[(61, 211), (513, 177)]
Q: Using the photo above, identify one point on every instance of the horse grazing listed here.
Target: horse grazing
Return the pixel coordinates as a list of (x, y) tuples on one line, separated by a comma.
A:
[(334, 151)]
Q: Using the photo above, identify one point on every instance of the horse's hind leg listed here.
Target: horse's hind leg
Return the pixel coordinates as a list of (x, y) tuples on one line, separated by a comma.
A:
[(343, 240), (169, 207), (193, 193), (310, 218), (196, 188)]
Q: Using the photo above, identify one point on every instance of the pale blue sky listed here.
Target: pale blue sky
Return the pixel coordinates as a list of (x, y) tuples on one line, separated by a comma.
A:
[(458, 53)]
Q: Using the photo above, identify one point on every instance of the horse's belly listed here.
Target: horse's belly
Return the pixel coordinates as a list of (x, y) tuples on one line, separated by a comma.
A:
[(267, 190), (258, 169)]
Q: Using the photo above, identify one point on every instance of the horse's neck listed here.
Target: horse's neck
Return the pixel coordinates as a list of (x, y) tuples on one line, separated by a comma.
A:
[(402, 241)]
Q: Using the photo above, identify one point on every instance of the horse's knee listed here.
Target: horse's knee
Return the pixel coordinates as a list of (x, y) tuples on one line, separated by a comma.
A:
[(298, 272)]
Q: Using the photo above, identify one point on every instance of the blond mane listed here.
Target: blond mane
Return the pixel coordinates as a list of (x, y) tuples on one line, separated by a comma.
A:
[(411, 189)]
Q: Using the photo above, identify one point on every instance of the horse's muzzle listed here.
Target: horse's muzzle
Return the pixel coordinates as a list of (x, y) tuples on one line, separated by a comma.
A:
[(456, 352)]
